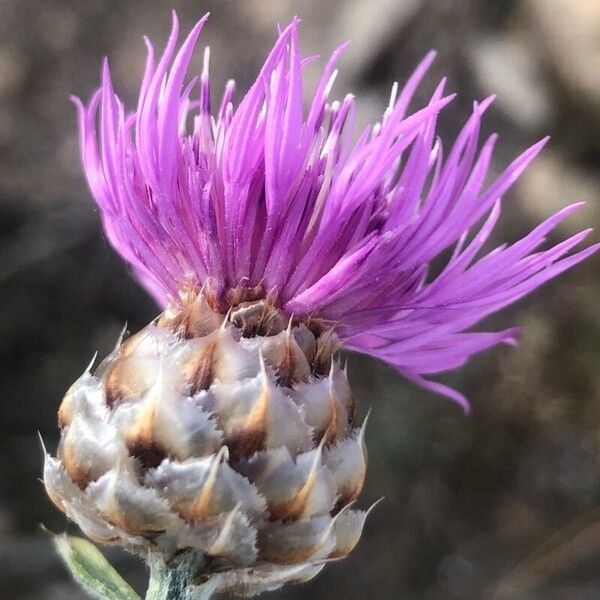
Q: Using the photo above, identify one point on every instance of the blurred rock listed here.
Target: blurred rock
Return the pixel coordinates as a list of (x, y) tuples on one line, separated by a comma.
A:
[(569, 32), (13, 72), (371, 27), (552, 182), (509, 67)]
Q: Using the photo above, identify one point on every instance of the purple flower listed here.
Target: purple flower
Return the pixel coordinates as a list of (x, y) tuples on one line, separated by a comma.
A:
[(268, 194)]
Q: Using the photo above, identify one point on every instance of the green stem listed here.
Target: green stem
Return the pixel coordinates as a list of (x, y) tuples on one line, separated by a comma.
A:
[(177, 580), (204, 592)]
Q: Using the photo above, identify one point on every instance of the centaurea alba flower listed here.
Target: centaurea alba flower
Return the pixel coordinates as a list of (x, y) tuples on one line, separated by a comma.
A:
[(224, 431)]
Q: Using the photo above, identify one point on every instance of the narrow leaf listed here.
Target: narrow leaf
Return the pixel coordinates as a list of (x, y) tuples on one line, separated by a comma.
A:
[(91, 570)]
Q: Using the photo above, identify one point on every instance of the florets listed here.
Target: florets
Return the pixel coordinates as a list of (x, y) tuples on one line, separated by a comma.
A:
[(264, 195)]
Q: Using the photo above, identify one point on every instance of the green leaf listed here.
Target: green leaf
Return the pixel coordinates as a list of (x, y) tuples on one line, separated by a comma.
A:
[(91, 570)]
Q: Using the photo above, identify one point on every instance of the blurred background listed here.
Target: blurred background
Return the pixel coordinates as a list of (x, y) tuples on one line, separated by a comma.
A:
[(502, 504)]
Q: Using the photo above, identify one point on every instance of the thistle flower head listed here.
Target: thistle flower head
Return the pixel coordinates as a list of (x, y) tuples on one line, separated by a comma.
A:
[(222, 437), (266, 196)]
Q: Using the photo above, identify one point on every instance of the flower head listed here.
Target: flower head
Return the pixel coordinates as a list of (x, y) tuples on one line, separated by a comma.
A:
[(264, 195)]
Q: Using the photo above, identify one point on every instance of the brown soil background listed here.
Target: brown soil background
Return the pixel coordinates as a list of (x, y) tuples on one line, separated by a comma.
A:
[(502, 504)]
